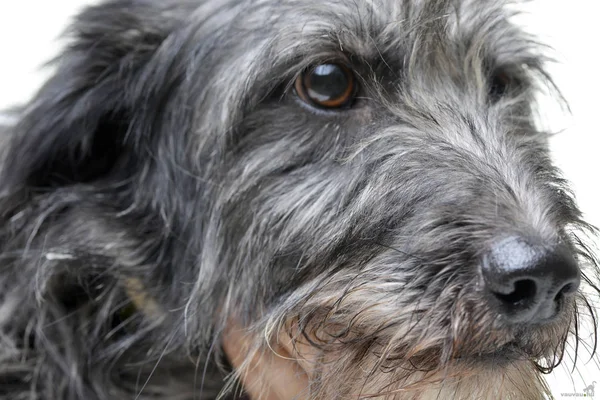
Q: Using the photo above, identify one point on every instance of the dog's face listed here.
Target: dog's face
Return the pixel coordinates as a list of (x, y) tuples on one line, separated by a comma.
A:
[(363, 176)]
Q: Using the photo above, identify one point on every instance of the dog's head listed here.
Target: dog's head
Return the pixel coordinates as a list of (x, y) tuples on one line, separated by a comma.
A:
[(363, 177)]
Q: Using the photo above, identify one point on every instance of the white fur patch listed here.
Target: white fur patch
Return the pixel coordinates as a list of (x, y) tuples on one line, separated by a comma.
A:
[(58, 256)]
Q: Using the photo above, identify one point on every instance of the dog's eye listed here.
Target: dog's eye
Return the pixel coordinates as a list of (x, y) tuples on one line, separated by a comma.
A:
[(327, 86), (501, 83)]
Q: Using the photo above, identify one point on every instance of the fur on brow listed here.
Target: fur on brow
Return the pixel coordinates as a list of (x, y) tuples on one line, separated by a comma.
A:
[(124, 181)]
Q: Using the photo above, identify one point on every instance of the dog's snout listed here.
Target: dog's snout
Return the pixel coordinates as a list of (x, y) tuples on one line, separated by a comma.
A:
[(526, 282)]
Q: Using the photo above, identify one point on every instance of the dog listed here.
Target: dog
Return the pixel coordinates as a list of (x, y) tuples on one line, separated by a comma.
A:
[(359, 189)]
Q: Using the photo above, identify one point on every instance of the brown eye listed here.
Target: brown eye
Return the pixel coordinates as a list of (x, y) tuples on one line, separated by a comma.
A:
[(327, 86)]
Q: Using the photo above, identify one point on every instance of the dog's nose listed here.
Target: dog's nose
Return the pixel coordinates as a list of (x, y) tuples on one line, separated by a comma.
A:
[(527, 282)]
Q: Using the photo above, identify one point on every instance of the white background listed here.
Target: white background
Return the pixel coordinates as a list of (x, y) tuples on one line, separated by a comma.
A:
[(29, 29)]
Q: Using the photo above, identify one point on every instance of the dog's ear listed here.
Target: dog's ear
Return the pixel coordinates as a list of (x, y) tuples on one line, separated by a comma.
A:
[(78, 127)]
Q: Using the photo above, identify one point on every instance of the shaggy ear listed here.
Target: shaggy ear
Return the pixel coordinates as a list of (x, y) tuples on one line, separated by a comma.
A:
[(77, 128)]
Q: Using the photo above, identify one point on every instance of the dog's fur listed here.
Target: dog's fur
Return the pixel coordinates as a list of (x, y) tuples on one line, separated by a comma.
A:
[(167, 179)]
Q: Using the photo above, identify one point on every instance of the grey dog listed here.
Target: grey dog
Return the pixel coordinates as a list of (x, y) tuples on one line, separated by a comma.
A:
[(364, 177)]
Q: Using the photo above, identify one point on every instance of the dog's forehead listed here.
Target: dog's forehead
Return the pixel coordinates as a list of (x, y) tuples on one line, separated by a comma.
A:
[(305, 29), (362, 24)]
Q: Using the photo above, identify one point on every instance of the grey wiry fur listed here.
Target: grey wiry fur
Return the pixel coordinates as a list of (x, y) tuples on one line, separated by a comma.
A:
[(169, 154)]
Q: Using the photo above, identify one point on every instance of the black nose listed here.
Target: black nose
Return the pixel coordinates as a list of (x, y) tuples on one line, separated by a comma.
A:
[(527, 282)]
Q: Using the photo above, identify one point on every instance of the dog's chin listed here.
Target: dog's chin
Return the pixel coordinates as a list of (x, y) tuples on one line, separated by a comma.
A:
[(425, 376), (532, 342), (549, 340), (353, 367), (498, 358), (489, 359)]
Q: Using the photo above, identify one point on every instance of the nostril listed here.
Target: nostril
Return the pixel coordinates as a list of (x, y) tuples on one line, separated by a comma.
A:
[(568, 288), (524, 291)]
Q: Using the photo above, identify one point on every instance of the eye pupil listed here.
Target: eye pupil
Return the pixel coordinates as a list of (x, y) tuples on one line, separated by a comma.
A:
[(326, 83), (326, 86)]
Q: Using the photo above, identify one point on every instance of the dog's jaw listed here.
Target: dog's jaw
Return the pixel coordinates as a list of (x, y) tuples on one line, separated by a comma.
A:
[(288, 369)]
